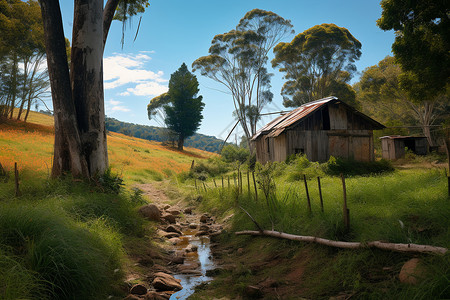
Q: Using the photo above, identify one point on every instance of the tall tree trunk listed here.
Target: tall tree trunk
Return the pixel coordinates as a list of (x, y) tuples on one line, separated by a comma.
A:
[(67, 149), (180, 142), (87, 82)]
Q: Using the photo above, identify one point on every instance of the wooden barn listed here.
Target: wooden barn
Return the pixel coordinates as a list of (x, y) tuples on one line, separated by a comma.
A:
[(393, 147), (318, 129)]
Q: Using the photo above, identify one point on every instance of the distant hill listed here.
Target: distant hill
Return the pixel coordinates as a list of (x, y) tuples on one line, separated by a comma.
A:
[(153, 133)]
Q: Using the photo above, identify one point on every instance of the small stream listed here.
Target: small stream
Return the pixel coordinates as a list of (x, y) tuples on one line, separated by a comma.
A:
[(200, 261)]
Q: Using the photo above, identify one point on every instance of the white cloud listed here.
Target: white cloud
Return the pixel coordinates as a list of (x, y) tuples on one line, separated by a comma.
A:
[(148, 89), (126, 69), (114, 105)]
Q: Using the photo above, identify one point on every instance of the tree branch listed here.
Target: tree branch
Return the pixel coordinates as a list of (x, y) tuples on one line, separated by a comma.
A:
[(108, 15), (347, 245)]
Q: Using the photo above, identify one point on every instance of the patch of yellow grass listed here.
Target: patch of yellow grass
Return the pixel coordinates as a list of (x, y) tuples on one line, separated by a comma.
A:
[(31, 146)]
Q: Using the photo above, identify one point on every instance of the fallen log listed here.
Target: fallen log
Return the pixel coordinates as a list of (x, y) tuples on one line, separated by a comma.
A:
[(348, 245)]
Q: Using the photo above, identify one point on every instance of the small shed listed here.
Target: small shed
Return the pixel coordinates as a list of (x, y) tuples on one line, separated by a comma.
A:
[(393, 146), (318, 129)]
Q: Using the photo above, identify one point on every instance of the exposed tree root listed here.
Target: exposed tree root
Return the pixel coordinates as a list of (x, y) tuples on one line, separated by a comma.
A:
[(349, 245)]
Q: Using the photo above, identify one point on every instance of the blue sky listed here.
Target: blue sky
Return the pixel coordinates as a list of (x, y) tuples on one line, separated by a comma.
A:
[(177, 31)]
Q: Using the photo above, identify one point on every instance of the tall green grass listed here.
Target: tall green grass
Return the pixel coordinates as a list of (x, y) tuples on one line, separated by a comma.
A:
[(62, 239), (406, 206)]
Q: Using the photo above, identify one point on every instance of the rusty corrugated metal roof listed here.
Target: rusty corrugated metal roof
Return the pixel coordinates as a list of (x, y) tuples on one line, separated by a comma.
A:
[(400, 137), (278, 125)]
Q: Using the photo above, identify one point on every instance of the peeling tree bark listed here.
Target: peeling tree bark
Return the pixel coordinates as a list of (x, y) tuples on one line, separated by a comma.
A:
[(349, 245), (78, 100), (87, 82)]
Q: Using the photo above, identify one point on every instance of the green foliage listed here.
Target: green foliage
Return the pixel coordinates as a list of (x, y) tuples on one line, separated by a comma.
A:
[(422, 43), (237, 59), (109, 182), (299, 165), (184, 110), (232, 153), (349, 167), (318, 63), (213, 167)]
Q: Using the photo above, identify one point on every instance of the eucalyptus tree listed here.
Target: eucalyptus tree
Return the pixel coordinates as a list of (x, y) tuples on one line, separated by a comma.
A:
[(381, 94), (21, 54), (238, 58), (78, 101), (317, 63)]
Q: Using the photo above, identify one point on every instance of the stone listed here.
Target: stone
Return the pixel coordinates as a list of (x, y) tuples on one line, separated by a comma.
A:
[(191, 248), (138, 289), (167, 235), (178, 259), (202, 233), (150, 212), (174, 212), (152, 295), (174, 240), (253, 291), (172, 228), (167, 206), (188, 210), (204, 218), (193, 226), (166, 282), (169, 218), (412, 272), (204, 227)]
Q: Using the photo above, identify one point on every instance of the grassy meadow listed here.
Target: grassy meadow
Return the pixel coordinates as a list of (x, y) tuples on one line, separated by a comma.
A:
[(66, 239), (401, 206)]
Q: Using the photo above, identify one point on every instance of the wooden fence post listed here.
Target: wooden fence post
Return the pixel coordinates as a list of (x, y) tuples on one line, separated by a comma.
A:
[(346, 211), (240, 182), (214, 180), (256, 188), (320, 193), (248, 182), (204, 185), (307, 194), (16, 176)]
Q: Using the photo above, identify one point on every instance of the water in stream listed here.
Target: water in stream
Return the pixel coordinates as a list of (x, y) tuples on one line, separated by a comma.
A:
[(201, 257)]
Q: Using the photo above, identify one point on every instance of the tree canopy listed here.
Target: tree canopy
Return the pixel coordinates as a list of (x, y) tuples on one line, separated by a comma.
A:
[(182, 108), (237, 59), (317, 63), (421, 44)]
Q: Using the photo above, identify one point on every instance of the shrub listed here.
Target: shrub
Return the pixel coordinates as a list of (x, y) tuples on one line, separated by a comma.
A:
[(349, 167), (232, 153)]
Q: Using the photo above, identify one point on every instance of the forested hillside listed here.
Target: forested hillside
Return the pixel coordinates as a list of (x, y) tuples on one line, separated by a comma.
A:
[(153, 133)]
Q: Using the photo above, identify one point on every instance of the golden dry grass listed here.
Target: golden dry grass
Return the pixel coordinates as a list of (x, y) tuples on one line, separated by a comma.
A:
[(31, 146)]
